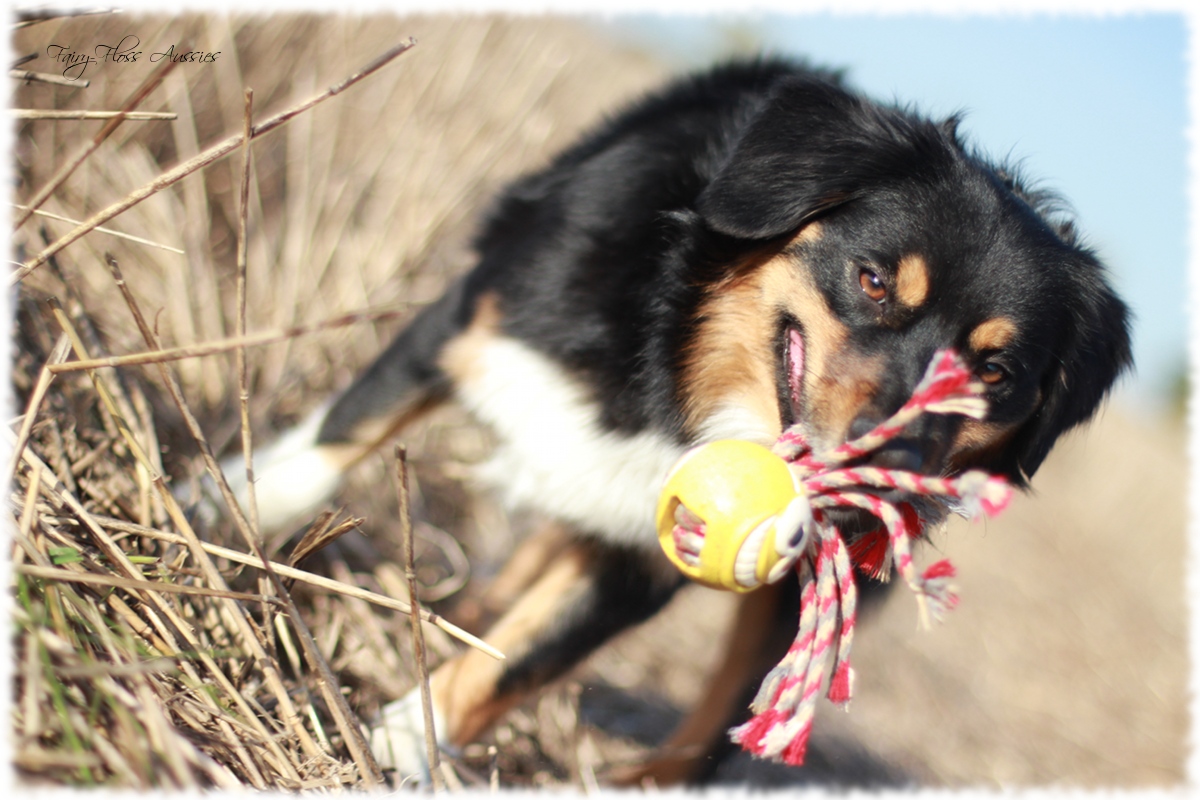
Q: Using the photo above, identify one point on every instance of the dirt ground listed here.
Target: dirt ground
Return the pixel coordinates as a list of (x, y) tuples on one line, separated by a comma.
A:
[(1065, 663)]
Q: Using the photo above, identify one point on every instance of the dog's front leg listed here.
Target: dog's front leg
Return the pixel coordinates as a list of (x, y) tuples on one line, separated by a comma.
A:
[(751, 645), (590, 592)]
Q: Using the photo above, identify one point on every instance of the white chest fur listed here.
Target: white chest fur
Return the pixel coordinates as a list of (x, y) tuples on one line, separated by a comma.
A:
[(554, 456)]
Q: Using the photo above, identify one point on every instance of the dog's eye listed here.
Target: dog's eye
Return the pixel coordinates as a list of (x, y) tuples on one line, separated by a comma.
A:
[(992, 373), (872, 285)]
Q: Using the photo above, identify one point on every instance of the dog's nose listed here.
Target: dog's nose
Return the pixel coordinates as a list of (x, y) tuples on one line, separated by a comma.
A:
[(899, 454), (918, 449)]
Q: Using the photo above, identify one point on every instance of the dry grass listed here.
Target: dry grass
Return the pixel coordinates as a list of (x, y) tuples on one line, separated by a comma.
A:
[(145, 660)]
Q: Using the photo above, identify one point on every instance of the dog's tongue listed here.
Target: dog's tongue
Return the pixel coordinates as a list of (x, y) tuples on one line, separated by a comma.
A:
[(795, 368)]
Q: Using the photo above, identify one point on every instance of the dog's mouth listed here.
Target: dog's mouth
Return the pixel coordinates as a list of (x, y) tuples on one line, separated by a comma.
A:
[(853, 523), (790, 380)]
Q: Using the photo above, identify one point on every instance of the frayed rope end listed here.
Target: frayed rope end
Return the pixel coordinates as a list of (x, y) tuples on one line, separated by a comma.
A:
[(841, 686)]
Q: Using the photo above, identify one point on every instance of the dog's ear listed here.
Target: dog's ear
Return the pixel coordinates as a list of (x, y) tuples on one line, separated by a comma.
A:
[(811, 147), (1097, 351)]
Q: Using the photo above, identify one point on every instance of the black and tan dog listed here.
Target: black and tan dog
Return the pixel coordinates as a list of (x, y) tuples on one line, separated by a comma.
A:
[(748, 248)]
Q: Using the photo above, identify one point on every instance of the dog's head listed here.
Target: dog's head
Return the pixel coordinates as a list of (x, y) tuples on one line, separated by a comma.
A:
[(873, 238)]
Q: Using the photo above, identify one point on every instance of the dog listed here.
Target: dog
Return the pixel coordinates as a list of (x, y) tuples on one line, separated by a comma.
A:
[(746, 249)]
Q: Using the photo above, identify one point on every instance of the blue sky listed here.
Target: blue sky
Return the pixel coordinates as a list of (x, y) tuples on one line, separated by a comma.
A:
[(1093, 107)]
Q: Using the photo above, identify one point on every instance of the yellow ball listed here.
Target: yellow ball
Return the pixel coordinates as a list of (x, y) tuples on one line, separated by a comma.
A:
[(729, 489)]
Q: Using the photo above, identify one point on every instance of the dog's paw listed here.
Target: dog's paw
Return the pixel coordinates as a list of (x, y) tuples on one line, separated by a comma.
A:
[(397, 738)]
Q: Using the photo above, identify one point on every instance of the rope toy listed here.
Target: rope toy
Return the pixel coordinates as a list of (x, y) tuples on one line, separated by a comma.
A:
[(735, 515)]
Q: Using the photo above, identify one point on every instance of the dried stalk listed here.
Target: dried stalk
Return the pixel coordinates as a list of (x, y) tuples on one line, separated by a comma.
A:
[(29, 18), (35, 403), (234, 343), (200, 161), (418, 635), (60, 176), (129, 237), (55, 114), (97, 579), (240, 330), (41, 77)]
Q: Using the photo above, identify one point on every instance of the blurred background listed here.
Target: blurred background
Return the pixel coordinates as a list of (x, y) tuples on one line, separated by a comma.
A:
[(1066, 663)]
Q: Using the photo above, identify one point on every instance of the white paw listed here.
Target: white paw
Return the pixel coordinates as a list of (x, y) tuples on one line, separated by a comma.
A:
[(398, 737)]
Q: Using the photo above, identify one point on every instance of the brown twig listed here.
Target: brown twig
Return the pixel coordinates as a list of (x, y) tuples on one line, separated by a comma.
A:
[(240, 329), (29, 18), (202, 160), (139, 94), (321, 534), (43, 213), (342, 715), (50, 573), (35, 403), (41, 77), (418, 635), (226, 345), (61, 114)]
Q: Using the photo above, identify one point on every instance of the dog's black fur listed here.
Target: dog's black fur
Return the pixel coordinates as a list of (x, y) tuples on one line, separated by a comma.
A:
[(663, 265)]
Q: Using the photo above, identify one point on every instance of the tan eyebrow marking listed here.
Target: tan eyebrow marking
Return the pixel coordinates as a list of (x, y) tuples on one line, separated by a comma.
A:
[(912, 281), (808, 234), (992, 334)]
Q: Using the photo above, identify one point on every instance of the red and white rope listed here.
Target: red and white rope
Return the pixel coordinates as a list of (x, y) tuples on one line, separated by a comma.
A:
[(786, 700)]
